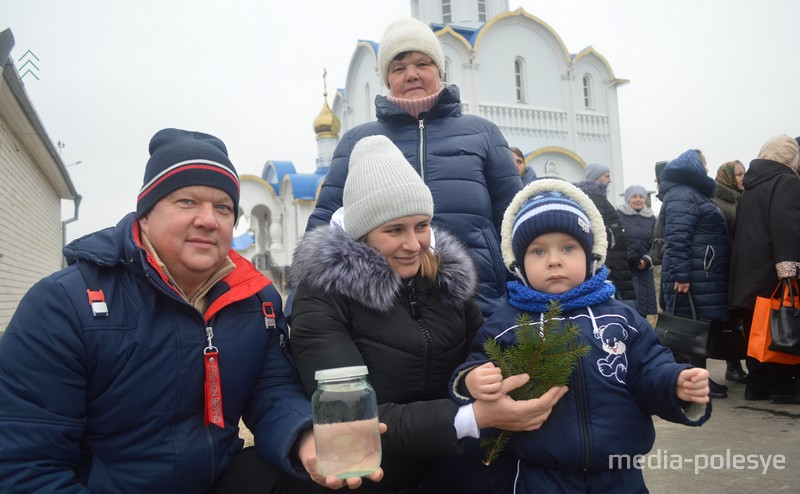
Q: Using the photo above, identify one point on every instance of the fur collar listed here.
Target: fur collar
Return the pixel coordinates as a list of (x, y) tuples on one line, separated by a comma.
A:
[(592, 187), (552, 185), (627, 210), (329, 260), (726, 194)]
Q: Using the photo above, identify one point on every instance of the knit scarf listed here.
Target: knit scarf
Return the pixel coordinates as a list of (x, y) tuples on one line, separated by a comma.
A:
[(590, 292), (415, 106)]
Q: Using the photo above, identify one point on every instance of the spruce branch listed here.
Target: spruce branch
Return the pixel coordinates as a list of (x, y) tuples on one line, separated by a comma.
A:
[(548, 353)]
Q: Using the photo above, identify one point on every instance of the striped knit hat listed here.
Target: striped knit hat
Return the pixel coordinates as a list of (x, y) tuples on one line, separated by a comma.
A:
[(546, 206), (182, 158)]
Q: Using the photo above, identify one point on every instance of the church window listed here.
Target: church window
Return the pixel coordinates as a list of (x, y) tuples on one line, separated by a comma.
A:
[(482, 10), (551, 168), (447, 14), (448, 67), (519, 80), (588, 96)]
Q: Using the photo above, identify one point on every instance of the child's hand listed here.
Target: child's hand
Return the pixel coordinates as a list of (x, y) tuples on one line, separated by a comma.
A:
[(485, 382), (692, 385)]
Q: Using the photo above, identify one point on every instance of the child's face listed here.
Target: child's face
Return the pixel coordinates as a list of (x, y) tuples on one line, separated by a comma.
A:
[(555, 262)]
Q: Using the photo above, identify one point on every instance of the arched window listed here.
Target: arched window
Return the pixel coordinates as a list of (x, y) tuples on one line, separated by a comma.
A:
[(448, 67), (367, 103), (588, 92), (519, 80), (551, 168), (482, 10), (447, 13)]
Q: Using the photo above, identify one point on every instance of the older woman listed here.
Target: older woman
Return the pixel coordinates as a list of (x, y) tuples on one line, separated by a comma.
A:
[(639, 222), (730, 346), (767, 248), (378, 291), (463, 159), (696, 258)]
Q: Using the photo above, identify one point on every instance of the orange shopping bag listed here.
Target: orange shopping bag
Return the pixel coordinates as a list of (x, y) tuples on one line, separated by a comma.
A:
[(758, 344)]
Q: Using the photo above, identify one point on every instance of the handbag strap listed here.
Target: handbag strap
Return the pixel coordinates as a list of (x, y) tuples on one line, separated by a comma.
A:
[(787, 284), (691, 303)]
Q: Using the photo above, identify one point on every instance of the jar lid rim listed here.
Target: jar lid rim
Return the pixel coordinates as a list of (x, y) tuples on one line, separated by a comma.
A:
[(341, 372)]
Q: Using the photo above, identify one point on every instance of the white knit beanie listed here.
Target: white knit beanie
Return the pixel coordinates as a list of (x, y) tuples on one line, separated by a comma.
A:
[(381, 186), (408, 34)]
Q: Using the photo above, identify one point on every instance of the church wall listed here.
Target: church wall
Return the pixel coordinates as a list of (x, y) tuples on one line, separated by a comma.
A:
[(363, 84), (600, 79), (498, 49)]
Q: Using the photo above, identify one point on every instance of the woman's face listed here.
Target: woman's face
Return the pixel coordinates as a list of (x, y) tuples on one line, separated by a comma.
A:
[(739, 169), (414, 76), (636, 201), (402, 242)]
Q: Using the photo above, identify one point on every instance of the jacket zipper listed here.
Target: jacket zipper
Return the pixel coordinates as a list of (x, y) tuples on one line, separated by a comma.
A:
[(423, 329), (422, 149), (212, 471)]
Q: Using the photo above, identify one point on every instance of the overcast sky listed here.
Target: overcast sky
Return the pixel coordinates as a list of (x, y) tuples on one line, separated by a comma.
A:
[(719, 75)]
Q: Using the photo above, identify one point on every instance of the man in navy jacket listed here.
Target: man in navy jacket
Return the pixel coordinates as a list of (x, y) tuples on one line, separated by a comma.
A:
[(129, 370)]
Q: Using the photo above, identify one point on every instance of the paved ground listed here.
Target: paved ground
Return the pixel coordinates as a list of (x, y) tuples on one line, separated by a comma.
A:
[(743, 434)]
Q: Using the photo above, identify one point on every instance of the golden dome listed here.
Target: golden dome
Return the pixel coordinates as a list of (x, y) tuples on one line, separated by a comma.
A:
[(327, 124)]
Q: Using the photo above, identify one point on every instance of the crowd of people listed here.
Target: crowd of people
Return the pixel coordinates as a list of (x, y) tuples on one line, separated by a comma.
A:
[(130, 369)]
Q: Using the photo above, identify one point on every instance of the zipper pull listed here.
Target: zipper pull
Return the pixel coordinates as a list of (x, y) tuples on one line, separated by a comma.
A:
[(412, 300)]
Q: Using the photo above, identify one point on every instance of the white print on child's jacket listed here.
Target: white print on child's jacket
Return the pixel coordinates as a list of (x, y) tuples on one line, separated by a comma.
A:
[(614, 364)]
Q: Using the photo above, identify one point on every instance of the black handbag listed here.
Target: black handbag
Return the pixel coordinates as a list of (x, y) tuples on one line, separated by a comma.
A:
[(681, 334), (784, 322)]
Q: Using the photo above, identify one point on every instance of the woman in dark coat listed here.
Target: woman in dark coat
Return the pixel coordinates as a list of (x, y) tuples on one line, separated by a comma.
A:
[(382, 291), (731, 346), (639, 223), (696, 256), (464, 159), (767, 248), (596, 187)]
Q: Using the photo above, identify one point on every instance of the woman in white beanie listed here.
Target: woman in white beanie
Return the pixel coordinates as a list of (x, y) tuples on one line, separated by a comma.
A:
[(376, 290), (464, 159)]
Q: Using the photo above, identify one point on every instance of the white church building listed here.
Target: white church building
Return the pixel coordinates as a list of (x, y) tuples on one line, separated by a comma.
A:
[(559, 107)]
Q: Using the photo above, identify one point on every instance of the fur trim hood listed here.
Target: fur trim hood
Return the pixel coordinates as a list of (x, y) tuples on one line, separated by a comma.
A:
[(687, 169), (627, 210), (569, 190), (327, 259), (590, 187), (726, 194)]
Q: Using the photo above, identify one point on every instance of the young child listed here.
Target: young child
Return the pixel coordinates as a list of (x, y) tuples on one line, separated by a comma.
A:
[(553, 238)]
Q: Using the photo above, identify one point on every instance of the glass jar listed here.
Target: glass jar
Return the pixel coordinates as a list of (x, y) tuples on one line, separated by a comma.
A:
[(345, 415)]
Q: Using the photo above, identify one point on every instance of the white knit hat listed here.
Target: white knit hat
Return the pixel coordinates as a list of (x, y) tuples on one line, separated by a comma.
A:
[(381, 186), (408, 34)]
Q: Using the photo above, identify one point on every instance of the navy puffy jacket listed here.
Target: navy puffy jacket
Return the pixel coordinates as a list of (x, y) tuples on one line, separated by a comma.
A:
[(464, 160), (115, 404), (696, 248)]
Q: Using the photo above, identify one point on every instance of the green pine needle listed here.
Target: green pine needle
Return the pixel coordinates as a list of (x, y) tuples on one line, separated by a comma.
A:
[(548, 355)]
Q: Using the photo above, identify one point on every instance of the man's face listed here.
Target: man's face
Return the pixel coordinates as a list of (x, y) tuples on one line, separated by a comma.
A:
[(191, 230)]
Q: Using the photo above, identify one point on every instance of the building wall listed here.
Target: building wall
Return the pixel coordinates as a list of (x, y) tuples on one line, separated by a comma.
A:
[(30, 223)]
